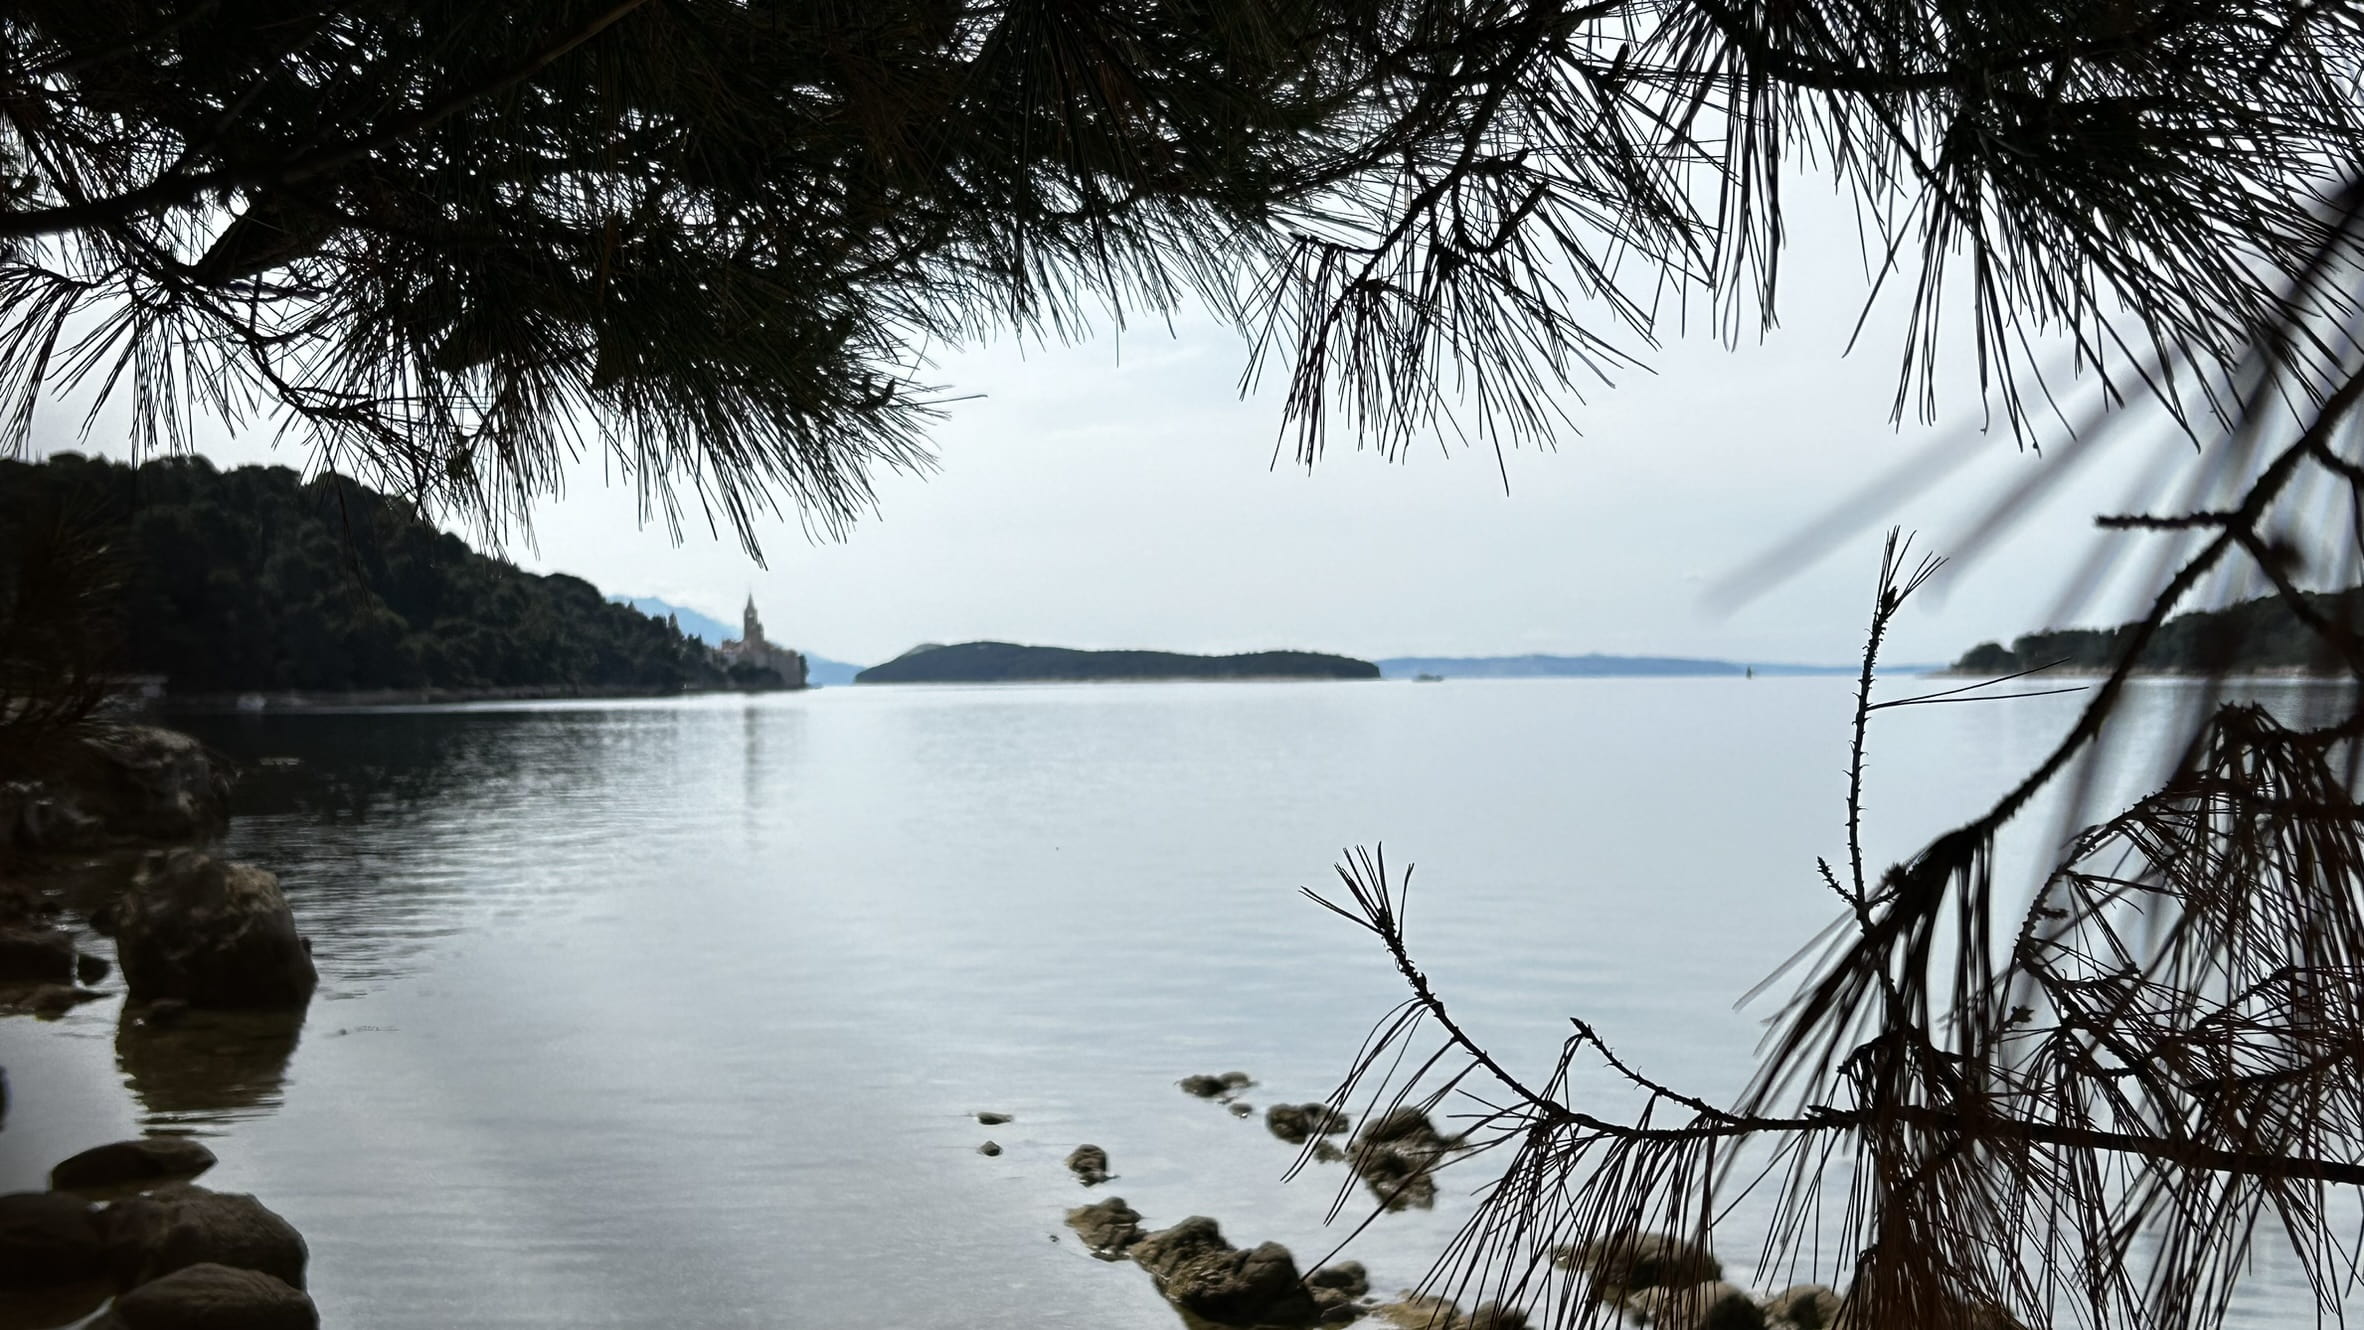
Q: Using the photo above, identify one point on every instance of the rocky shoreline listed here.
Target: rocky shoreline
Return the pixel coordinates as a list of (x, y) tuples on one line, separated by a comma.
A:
[(110, 841), (1657, 1280)]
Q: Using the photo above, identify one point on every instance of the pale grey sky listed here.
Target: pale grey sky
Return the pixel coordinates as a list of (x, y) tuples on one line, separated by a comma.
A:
[(1119, 493)]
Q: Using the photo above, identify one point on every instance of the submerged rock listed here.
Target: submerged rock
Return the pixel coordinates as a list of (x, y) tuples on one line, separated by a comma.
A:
[(1241, 1110), (1207, 1277), (48, 1001), (1223, 1086), (47, 1239), (989, 1149), (1108, 1229), (180, 1225), (90, 969), (127, 1162), (211, 933), (208, 1296), (993, 1119), (1299, 1123)]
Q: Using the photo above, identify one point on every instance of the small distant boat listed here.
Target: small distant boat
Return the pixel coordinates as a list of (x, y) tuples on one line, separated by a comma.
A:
[(1428, 678)]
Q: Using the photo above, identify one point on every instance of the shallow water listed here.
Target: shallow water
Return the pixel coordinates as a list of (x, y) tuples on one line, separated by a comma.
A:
[(642, 1014)]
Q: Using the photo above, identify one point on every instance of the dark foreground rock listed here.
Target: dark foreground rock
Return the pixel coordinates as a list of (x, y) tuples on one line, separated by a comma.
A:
[(1108, 1229), (126, 1163), (1299, 1123), (47, 1239), (1089, 1164), (1217, 1087), (1207, 1277), (30, 954), (211, 933), (179, 1225), (212, 1297)]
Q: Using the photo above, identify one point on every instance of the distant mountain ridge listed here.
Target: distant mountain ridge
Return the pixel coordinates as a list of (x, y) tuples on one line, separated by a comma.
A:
[(1596, 666), (1009, 662), (819, 671)]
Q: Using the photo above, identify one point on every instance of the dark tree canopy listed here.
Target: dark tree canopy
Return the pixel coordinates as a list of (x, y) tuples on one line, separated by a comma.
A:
[(451, 245), (256, 579)]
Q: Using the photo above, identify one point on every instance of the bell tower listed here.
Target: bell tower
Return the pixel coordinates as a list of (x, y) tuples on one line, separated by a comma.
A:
[(751, 624)]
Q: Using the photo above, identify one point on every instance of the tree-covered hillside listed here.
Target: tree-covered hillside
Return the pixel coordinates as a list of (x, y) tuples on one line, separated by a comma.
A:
[(2253, 636), (258, 580), (1007, 662)]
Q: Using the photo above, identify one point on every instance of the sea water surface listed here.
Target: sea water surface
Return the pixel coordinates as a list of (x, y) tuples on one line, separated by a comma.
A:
[(679, 1013)]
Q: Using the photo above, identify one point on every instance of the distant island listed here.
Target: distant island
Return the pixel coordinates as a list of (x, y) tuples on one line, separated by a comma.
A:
[(1008, 662), (2257, 636), (1594, 666), (258, 580)]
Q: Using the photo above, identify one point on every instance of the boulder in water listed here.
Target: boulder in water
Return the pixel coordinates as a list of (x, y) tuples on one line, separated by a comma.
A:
[(180, 1225), (1299, 1123), (126, 1163), (1714, 1305), (1628, 1262), (211, 933), (1396, 1155), (1109, 1229), (207, 1296), (1089, 1164), (1207, 1277)]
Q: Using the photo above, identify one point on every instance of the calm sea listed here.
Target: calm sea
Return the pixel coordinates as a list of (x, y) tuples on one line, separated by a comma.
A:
[(678, 1014)]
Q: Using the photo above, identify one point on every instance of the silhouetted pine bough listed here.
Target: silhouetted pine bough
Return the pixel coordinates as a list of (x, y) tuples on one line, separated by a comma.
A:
[(2085, 1104), (451, 244)]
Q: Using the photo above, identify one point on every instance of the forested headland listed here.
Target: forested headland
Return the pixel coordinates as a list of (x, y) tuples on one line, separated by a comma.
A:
[(260, 580), (2263, 636)]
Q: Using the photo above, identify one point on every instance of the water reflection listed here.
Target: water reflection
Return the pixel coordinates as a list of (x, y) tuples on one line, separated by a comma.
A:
[(206, 1067)]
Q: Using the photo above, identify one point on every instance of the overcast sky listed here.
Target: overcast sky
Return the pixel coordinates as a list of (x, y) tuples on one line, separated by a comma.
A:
[(1119, 493)]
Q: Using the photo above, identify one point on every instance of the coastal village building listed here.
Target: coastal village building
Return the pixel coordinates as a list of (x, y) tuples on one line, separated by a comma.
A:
[(751, 649)]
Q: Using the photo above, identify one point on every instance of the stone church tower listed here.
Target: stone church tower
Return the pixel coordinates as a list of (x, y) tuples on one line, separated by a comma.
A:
[(754, 651)]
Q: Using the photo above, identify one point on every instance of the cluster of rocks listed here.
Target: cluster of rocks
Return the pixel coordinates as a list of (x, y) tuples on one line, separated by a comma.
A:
[(1197, 1270), (122, 1222), (122, 1227), (189, 929), (1671, 1283), (121, 786)]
